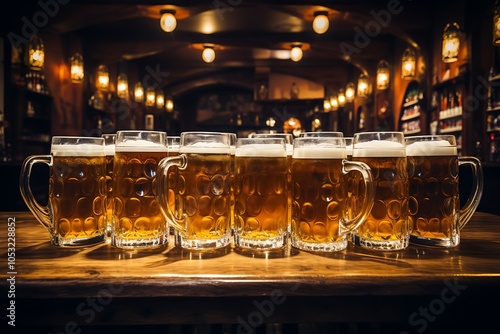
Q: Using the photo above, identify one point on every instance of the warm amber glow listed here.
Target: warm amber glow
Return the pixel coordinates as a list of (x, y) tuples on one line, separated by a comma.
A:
[(341, 98), (208, 55), (168, 22), (160, 99), (102, 77), (496, 24), (169, 105), (321, 23), (451, 42), (408, 64), (334, 103), (36, 53), (150, 97), (383, 75), (122, 86), (362, 85), (296, 53), (349, 92), (138, 92), (326, 105), (76, 68)]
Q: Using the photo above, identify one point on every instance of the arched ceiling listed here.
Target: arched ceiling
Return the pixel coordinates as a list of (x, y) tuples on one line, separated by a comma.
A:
[(247, 34)]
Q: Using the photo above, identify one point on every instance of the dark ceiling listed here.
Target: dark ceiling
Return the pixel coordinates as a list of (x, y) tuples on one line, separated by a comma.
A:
[(247, 34)]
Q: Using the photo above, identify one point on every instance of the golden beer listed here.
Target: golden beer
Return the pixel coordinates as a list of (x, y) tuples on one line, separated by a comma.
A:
[(433, 167), (75, 214), (203, 194), (77, 195), (261, 195), (387, 225), (202, 191), (434, 196), (138, 221)]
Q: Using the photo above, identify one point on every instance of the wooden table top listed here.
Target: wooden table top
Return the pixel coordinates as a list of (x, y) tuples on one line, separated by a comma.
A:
[(46, 271)]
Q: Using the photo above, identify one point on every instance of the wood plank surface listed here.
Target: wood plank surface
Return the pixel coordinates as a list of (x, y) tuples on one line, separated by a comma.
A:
[(101, 285)]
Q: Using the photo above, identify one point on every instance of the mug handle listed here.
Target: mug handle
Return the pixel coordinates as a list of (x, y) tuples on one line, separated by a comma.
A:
[(180, 162), (476, 193), (42, 213), (347, 225)]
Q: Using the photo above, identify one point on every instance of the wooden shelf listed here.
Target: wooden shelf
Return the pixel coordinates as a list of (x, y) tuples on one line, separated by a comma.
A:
[(450, 130), (406, 118), (412, 132), (411, 103), (497, 108), (450, 116)]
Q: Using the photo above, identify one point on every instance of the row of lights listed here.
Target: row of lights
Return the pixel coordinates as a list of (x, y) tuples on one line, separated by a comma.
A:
[(149, 96), (347, 96)]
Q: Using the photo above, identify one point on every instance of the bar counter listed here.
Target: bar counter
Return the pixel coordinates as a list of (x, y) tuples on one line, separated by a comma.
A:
[(416, 289)]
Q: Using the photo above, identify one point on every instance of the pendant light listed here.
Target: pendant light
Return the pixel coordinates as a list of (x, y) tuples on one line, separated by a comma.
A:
[(321, 23), (451, 42), (168, 22), (408, 64), (383, 75), (36, 53), (76, 68)]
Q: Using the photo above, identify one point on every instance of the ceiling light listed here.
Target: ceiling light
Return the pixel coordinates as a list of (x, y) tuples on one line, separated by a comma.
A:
[(76, 68), (320, 22), (208, 54), (160, 99), (169, 104), (334, 103), (296, 53), (451, 42), (168, 22)]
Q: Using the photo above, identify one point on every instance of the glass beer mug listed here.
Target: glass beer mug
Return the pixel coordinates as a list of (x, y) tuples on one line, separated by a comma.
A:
[(433, 167), (261, 193), (320, 220), (75, 214), (387, 225), (201, 189), (138, 221)]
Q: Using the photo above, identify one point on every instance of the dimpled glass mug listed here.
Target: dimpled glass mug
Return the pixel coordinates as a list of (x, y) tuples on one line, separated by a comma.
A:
[(75, 214), (319, 177), (261, 193), (137, 219), (202, 190), (387, 226), (433, 167)]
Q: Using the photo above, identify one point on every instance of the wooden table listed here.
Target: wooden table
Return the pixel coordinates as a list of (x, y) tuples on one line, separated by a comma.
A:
[(100, 285)]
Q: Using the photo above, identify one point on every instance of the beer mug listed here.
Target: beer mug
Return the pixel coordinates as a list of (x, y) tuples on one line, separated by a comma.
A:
[(109, 149), (319, 176), (433, 169), (202, 190), (321, 134), (75, 214), (261, 193), (289, 152), (387, 225), (138, 221)]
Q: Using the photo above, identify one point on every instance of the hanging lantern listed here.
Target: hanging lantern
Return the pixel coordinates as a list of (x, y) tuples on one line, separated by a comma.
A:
[(102, 78), (383, 75), (451, 42), (341, 98), (160, 99), (408, 64), (76, 68), (138, 92), (496, 24), (36, 53), (150, 97), (363, 85), (349, 92), (122, 86)]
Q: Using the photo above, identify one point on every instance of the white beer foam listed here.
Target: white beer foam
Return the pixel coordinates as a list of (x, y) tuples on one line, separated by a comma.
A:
[(206, 148), (80, 150), (109, 149), (289, 149), (379, 148), (140, 146), (261, 150), (427, 148), (318, 152)]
